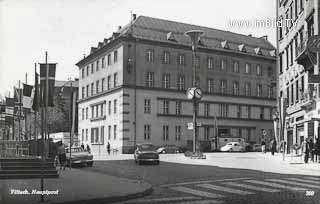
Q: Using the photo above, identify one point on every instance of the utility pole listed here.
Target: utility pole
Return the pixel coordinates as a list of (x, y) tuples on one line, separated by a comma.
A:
[(70, 123)]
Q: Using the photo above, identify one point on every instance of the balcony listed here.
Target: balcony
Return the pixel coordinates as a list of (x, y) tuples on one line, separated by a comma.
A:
[(302, 57)]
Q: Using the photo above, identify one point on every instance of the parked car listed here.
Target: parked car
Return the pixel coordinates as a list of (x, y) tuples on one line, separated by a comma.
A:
[(232, 147), (146, 153), (79, 156), (169, 149), (256, 148)]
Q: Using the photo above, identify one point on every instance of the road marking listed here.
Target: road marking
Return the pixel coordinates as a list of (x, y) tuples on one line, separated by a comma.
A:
[(276, 185), (256, 188), (202, 202), (304, 180), (163, 199), (226, 189), (314, 178), (196, 192), (295, 183), (199, 182)]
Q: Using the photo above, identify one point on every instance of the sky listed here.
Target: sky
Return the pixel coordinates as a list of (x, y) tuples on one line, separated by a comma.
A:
[(66, 29)]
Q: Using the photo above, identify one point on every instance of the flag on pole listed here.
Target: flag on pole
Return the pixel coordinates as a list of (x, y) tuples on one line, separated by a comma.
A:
[(51, 80), (35, 102), (17, 99), (9, 110), (27, 99)]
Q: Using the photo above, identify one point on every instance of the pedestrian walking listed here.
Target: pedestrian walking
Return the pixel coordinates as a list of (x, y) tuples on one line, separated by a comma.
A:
[(273, 147), (317, 147), (62, 156), (88, 149), (263, 146), (82, 146), (108, 148), (312, 149), (306, 150)]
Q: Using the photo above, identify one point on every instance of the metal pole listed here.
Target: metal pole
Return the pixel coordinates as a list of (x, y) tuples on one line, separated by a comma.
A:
[(19, 139), (70, 123), (194, 99)]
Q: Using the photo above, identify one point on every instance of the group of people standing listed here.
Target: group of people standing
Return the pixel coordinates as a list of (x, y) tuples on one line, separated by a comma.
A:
[(311, 149), (89, 150), (273, 146)]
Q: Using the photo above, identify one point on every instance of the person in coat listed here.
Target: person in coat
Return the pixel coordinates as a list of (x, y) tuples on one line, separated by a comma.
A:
[(62, 156), (263, 146), (317, 147), (273, 146), (108, 148), (306, 150)]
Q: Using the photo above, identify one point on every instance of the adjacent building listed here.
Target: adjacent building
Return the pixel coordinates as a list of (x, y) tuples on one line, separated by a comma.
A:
[(298, 98), (132, 86)]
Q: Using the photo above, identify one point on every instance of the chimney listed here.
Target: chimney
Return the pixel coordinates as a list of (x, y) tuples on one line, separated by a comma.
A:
[(134, 16), (119, 28)]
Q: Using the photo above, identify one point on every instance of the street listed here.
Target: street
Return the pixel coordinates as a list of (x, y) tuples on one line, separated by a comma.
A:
[(201, 184)]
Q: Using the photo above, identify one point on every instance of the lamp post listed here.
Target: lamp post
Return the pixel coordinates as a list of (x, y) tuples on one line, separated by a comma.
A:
[(195, 92)]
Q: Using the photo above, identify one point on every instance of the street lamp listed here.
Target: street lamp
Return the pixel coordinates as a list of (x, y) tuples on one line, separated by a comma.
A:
[(194, 92)]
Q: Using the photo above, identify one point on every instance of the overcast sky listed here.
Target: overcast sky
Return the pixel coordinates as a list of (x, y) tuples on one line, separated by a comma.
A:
[(68, 28)]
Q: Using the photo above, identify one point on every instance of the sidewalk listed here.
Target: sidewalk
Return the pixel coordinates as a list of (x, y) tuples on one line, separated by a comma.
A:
[(75, 186), (112, 156)]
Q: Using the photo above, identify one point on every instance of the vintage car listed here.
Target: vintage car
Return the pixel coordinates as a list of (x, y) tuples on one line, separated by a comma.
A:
[(169, 149), (232, 147), (79, 156), (146, 153)]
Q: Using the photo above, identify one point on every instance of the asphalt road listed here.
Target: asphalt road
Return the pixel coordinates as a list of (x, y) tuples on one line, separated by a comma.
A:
[(193, 184)]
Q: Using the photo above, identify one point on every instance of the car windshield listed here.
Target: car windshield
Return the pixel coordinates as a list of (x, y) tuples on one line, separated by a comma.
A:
[(147, 147), (74, 150)]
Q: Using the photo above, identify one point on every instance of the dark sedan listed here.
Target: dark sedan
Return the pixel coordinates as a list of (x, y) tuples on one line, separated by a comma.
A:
[(146, 153)]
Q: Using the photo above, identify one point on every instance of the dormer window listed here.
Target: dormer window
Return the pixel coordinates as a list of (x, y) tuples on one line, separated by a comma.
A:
[(242, 48), (225, 45), (258, 51), (170, 36)]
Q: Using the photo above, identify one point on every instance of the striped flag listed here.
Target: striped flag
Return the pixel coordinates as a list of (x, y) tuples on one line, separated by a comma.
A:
[(27, 96), (51, 80), (35, 102)]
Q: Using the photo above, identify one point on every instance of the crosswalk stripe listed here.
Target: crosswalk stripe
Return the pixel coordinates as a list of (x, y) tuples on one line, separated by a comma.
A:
[(276, 185), (313, 178), (256, 188), (294, 183), (202, 202), (163, 199), (226, 189), (304, 180), (196, 192)]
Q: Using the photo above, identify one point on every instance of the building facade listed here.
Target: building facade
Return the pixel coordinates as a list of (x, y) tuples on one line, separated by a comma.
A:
[(298, 97), (132, 87)]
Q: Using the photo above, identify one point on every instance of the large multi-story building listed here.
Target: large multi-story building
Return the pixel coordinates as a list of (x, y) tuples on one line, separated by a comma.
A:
[(132, 86), (298, 99)]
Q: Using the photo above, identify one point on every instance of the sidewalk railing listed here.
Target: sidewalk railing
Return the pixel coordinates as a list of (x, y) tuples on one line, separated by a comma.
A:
[(14, 148)]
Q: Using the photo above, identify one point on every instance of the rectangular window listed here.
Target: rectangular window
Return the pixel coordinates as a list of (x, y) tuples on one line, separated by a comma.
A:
[(206, 133), (291, 53), (166, 107), (178, 133), (82, 114), (236, 66), (270, 72), (147, 106), (147, 132), (92, 111), (223, 65), (96, 136), (114, 132), (87, 110), (181, 83), (82, 73), (223, 86), (92, 89), (102, 62), (97, 86), (115, 106), (210, 63), (270, 92), (166, 57), (259, 71), (197, 62), (92, 135), (178, 107), (109, 82), (235, 88), (150, 55), (87, 70), (181, 59), (224, 110), (109, 107), (165, 133), (87, 90), (109, 132), (101, 110), (149, 79), (115, 56), (102, 84), (247, 89), (92, 68), (115, 80), (97, 65), (87, 135), (109, 59), (206, 109), (262, 113), (210, 85), (97, 111), (166, 81), (281, 63), (238, 111), (259, 90), (102, 135), (287, 58), (248, 68), (82, 92)]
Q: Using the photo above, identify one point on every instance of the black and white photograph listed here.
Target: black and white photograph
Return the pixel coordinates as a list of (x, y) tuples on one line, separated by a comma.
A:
[(159, 102)]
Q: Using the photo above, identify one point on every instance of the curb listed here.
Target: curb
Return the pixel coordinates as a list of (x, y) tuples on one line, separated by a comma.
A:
[(105, 200)]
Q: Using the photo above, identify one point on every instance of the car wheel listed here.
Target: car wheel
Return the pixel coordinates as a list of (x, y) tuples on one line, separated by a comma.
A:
[(230, 150), (139, 162), (89, 164), (157, 162), (164, 152)]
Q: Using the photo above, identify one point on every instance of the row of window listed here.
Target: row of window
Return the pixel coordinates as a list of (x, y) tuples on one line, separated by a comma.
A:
[(223, 88), (181, 60), (97, 134), (224, 110), (295, 91), (97, 88), (98, 111), (99, 64)]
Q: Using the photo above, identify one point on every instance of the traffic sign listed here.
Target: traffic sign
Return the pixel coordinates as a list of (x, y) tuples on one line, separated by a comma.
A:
[(190, 93), (264, 132), (194, 93), (198, 93), (190, 125)]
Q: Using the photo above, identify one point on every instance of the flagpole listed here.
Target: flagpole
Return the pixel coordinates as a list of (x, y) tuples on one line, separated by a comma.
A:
[(19, 112), (35, 110)]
